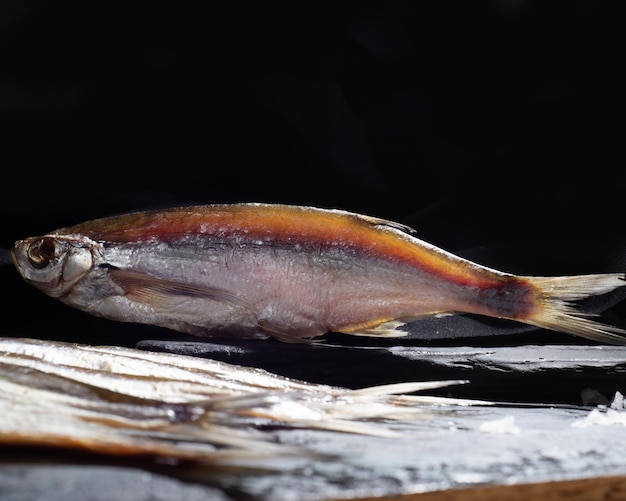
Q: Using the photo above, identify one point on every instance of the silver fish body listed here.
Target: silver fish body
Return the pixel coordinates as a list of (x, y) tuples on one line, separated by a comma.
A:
[(257, 270)]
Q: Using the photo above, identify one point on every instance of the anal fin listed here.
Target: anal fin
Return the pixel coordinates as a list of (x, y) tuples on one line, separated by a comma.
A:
[(386, 329)]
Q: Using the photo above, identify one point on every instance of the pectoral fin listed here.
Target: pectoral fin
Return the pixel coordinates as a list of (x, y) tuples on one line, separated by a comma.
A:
[(154, 290)]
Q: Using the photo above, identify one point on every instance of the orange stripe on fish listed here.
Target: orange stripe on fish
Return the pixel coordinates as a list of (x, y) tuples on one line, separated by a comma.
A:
[(284, 225)]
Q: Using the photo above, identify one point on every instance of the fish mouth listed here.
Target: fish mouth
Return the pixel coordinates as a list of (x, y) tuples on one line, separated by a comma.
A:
[(20, 260), (14, 257)]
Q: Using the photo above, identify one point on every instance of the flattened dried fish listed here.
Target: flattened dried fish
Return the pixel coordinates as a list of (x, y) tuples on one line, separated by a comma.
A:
[(127, 402)]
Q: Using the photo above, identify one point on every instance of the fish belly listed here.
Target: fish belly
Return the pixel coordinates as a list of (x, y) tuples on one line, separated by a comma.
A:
[(279, 290)]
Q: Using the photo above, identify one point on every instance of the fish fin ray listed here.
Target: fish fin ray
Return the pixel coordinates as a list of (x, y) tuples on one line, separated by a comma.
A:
[(376, 221), (384, 329), (390, 328), (156, 290), (557, 312)]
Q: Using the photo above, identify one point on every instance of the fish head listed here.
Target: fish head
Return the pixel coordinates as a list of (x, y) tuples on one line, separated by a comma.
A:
[(53, 263)]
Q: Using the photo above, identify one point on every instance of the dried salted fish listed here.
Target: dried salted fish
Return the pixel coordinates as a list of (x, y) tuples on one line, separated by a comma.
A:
[(122, 401), (258, 270)]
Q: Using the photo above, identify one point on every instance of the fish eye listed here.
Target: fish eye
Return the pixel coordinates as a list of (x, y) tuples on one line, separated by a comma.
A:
[(41, 252)]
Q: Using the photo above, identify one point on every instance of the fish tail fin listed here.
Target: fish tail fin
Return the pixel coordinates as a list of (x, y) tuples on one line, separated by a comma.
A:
[(558, 312)]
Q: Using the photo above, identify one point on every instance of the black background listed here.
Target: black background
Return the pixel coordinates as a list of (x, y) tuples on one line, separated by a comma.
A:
[(484, 125), (494, 128)]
